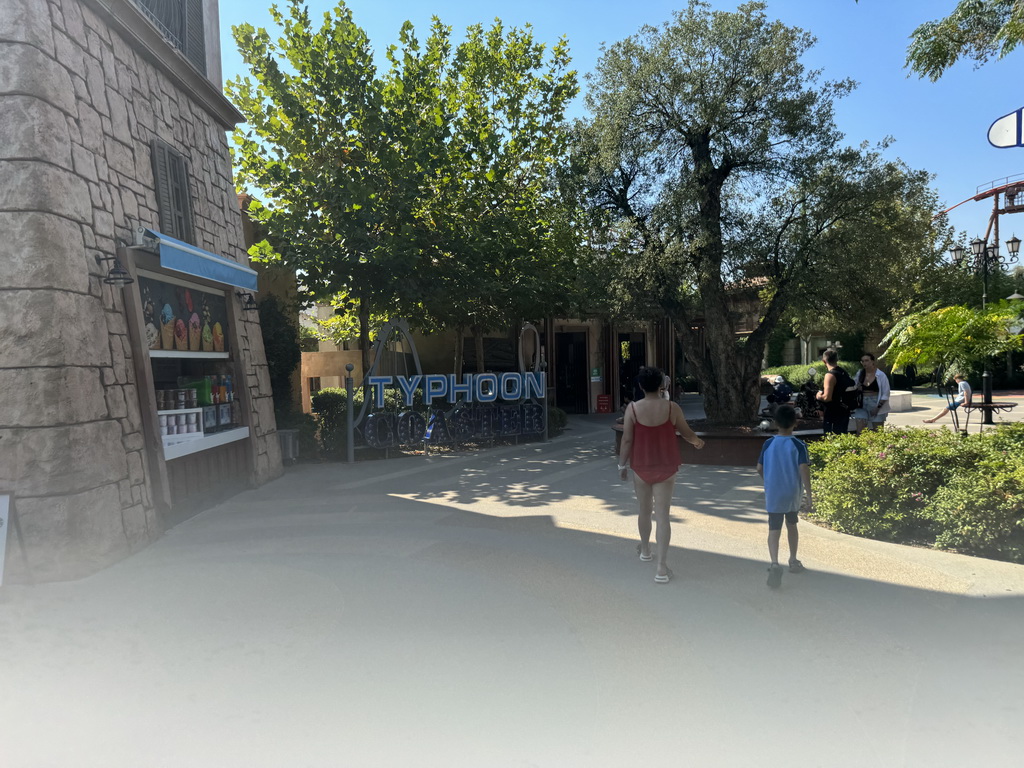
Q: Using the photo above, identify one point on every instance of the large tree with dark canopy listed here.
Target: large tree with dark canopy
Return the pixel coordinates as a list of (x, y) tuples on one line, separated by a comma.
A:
[(715, 166)]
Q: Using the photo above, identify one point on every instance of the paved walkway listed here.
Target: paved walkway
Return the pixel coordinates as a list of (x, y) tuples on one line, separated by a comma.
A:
[(488, 609)]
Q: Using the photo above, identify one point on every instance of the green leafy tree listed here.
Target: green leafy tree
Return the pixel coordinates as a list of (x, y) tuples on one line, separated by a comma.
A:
[(281, 342), (717, 169), (955, 339), (504, 255), (419, 191), (975, 29), (340, 157)]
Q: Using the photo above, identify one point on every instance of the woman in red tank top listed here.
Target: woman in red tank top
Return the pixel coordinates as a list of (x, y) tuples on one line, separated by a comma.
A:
[(649, 446)]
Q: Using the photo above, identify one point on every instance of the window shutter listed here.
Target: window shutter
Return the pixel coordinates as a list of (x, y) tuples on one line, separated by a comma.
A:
[(172, 194), (161, 175), (195, 40)]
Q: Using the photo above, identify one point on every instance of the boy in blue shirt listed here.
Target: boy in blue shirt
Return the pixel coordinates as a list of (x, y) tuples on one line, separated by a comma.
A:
[(787, 475)]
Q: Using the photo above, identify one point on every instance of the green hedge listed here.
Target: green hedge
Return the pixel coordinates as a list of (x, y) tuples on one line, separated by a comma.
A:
[(329, 406), (963, 492), (797, 374)]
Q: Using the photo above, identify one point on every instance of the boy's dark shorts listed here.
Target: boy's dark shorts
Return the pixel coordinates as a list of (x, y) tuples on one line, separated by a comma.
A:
[(775, 520)]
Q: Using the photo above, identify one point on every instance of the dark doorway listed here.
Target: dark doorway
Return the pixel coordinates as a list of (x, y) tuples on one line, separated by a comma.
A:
[(571, 383), (632, 357)]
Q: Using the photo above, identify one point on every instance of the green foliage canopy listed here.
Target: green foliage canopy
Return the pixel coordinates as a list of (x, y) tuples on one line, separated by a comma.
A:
[(975, 29), (716, 168), (421, 190), (953, 338)]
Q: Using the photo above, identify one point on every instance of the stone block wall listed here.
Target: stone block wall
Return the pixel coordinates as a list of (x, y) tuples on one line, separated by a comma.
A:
[(78, 110)]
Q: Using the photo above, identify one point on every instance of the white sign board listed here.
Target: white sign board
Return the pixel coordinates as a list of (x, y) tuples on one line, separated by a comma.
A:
[(1006, 131), (5, 519)]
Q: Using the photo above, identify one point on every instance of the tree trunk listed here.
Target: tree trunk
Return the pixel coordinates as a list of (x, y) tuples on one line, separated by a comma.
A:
[(364, 334), (478, 342), (729, 371), (460, 335)]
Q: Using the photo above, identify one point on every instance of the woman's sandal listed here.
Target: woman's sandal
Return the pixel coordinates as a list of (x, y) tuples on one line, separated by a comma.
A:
[(640, 551), (664, 578)]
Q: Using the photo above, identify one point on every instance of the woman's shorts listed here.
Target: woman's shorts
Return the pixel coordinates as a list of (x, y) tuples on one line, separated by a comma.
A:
[(775, 520), (864, 412)]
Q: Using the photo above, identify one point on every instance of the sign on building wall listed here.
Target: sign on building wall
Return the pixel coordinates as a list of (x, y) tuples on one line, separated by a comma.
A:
[(183, 317)]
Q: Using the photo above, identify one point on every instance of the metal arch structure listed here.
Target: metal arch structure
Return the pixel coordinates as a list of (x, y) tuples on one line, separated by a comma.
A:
[(379, 346), (531, 328)]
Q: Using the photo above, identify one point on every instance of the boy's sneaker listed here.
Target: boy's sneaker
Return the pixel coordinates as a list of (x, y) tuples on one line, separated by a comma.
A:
[(775, 576), (795, 566)]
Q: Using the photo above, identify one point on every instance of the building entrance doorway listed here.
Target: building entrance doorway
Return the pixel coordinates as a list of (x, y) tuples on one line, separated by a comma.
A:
[(571, 383), (632, 357)]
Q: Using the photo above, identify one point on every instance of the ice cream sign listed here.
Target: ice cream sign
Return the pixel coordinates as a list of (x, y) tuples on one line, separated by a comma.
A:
[(182, 317)]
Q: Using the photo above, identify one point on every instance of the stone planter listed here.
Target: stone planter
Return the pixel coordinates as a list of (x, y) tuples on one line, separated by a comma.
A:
[(725, 448), (733, 450)]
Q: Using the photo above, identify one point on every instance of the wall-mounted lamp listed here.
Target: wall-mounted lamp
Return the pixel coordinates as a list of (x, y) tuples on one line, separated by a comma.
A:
[(117, 274), (248, 302)]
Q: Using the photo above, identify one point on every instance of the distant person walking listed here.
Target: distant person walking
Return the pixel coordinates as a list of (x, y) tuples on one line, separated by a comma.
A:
[(874, 385), (650, 447), (786, 470), (963, 395), (836, 413)]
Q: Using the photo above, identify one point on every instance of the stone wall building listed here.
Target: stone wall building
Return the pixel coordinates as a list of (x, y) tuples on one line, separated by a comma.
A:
[(112, 136)]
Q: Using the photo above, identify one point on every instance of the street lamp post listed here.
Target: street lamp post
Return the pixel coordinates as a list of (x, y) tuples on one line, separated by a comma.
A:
[(985, 257)]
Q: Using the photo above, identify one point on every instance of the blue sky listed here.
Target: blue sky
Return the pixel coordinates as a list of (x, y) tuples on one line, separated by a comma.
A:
[(940, 127)]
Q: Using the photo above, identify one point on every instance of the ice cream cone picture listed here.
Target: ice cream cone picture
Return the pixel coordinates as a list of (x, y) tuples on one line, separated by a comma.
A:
[(152, 336), (207, 338), (167, 327), (180, 336), (218, 338), (194, 332)]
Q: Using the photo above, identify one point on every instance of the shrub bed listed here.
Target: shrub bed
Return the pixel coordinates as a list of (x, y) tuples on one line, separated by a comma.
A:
[(944, 489), (797, 374)]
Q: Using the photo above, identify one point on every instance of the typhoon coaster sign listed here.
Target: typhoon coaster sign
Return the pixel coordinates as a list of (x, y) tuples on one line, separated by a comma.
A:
[(483, 406)]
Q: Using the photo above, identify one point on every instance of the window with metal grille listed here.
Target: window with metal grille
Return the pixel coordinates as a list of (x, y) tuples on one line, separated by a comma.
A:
[(172, 196), (181, 22)]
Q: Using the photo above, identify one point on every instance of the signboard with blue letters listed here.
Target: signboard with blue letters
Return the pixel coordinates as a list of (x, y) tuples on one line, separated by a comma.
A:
[(471, 407), (486, 406)]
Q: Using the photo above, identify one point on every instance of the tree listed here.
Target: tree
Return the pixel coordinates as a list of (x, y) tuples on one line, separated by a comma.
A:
[(717, 168), (340, 157), (281, 342), (976, 29), (502, 254), (954, 339), (418, 191)]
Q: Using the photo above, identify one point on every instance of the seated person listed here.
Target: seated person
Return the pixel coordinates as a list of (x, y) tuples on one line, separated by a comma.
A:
[(963, 395)]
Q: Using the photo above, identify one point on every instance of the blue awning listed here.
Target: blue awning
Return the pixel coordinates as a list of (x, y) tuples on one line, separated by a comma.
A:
[(182, 257)]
